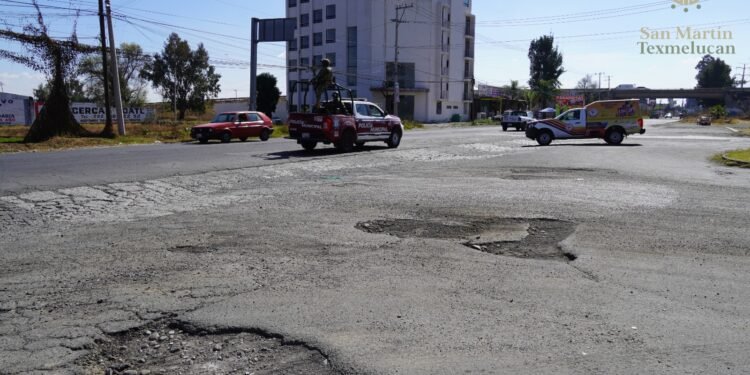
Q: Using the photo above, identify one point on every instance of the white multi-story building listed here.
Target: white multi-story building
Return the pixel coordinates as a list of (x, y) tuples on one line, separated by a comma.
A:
[(436, 54)]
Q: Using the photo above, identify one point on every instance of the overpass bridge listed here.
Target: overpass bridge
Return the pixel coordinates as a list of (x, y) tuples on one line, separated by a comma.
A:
[(730, 95)]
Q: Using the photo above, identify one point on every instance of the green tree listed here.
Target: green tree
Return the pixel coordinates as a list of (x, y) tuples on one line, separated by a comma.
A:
[(587, 85), (713, 73), (73, 87), (545, 92), (514, 90), (268, 93), (183, 76), (57, 59), (131, 61), (545, 69)]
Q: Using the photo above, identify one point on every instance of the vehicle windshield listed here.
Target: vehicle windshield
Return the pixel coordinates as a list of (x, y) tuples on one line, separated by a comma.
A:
[(224, 117)]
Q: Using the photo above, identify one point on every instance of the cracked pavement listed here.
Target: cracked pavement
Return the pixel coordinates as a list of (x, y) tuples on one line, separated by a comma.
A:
[(658, 284)]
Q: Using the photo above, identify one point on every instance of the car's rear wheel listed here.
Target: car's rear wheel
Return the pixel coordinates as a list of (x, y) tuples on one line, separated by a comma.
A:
[(346, 143), (226, 138), (614, 137), (394, 140), (505, 127), (265, 135), (544, 138), (309, 146)]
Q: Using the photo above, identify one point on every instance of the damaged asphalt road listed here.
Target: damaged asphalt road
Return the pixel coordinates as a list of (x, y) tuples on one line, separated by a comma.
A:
[(478, 254)]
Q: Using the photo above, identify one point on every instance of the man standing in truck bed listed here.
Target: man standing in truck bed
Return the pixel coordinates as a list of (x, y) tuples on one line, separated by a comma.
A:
[(322, 80)]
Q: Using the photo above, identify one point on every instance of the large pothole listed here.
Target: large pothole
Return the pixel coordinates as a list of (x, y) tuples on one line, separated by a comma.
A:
[(163, 348), (516, 237)]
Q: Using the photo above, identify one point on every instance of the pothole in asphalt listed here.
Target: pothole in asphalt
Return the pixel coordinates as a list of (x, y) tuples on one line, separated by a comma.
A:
[(163, 348), (515, 237), (192, 249)]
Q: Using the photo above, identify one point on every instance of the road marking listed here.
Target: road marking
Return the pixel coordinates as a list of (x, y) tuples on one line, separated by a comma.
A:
[(733, 129), (690, 137)]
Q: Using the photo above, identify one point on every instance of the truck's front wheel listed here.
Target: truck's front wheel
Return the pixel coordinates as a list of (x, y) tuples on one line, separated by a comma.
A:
[(544, 138), (394, 140)]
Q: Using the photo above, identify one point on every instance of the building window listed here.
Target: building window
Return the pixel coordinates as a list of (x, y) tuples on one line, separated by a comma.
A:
[(316, 60), (304, 1), (331, 56), (331, 36), (304, 63), (351, 56), (317, 15), (292, 45), (406, 75), (292, 65), (330, 11), (304, 20), (439, 108), (292, 3), (317, 39), (304, 42)]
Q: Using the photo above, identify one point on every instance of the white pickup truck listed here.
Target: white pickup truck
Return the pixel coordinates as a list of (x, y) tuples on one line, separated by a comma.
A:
[(516, 119)]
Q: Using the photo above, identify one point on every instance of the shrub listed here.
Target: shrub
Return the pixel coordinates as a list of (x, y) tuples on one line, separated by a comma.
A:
[(456, 118), (717, 111)]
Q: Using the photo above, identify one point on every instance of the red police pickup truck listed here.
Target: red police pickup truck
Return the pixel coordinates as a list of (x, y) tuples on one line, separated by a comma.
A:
[(345, 124)]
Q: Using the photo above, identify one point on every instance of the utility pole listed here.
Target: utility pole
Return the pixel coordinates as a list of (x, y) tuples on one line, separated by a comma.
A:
[(599, 87), (400, 12), (609, 83), (105, 71), (115, 73), (1, 87), (254, 63), (742, 82), (600, 74)]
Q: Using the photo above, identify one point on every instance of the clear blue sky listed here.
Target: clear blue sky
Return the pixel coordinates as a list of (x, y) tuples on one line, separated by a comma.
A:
[(594, 36)]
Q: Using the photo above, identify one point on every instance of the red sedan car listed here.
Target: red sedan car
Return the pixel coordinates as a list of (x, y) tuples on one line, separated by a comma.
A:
[(228, 125)]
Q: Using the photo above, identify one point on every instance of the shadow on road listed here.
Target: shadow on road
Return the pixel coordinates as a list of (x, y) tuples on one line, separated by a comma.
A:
[(318, 152), (584, 145)]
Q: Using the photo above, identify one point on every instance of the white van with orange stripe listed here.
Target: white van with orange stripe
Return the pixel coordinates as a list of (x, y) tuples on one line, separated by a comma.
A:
[(611, 120)]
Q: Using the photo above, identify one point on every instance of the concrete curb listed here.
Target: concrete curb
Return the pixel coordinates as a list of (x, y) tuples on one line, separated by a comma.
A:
[(740, 163)]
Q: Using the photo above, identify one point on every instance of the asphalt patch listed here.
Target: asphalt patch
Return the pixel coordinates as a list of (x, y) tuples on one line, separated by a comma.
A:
[(170, 348), (192, 249), (514, 237)]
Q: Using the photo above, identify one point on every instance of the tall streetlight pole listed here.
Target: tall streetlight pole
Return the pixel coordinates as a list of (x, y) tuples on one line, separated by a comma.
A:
[(400, 12)]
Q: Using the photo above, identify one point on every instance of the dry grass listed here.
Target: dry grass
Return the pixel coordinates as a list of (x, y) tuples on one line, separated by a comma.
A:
[(11, 137)]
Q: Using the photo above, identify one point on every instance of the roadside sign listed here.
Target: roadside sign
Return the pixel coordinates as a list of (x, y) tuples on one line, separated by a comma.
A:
[(276, 29)]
